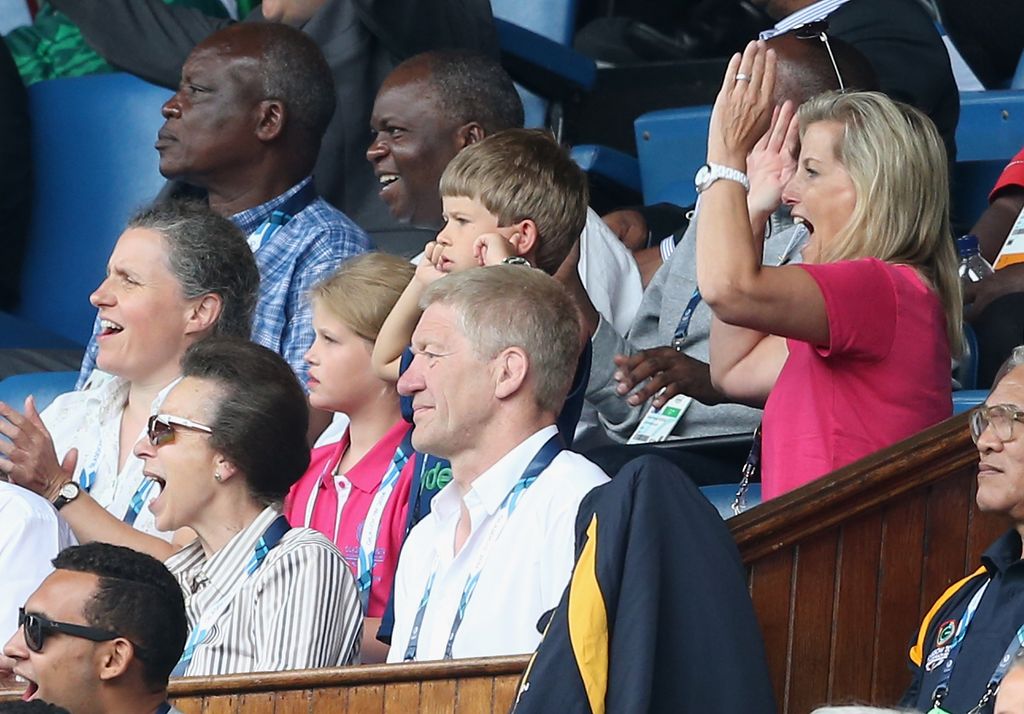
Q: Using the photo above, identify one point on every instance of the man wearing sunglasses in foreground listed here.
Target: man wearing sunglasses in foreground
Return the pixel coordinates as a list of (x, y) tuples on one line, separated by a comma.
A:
[(102, 633), (968, 640)]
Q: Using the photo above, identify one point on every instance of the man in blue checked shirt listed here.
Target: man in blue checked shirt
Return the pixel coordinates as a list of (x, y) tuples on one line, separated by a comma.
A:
[(245, 127)]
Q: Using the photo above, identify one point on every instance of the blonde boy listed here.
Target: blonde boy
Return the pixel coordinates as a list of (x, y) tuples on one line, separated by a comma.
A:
[(514, 195)]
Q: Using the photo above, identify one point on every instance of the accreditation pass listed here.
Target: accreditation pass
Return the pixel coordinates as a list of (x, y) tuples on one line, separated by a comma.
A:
[(657, 424)]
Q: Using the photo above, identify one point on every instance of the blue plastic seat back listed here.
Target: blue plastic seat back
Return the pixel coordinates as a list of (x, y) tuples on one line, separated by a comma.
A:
[(671, 145), (44, 386), (94, 165), (554, 19), (990, 133)]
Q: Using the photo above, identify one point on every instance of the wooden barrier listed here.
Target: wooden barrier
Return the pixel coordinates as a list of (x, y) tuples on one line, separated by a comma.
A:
[(843, 569), (841, 572)]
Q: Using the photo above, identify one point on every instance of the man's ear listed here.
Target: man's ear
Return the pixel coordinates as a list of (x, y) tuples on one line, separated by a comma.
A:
[(512, 367), (115, 658), (204, 313), (270, 120), (468, 134), (523, 238)]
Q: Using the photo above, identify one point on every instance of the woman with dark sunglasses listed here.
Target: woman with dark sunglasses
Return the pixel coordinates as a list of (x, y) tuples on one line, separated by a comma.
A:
[(222, 453), (848, 352), (177, 274)]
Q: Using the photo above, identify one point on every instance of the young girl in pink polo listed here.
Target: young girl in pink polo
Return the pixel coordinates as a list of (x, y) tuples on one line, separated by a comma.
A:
[(356, 490)]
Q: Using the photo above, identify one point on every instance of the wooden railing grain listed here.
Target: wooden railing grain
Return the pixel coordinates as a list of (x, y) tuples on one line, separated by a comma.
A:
[(841, 571)]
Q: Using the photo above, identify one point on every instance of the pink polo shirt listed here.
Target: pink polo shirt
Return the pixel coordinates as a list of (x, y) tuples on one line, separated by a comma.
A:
[(355, 490), (883, 377)]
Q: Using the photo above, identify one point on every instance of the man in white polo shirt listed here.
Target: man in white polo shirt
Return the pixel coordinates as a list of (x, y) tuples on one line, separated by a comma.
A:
[(495, 352)]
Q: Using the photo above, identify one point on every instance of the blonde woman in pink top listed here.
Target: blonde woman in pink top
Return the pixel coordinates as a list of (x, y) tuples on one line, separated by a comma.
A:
[(850, 351)]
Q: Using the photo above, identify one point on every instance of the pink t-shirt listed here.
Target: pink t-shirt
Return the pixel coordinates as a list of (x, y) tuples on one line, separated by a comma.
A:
[(884, 376), (356, 488)]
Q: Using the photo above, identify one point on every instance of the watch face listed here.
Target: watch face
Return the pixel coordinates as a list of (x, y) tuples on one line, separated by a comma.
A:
[(69, 490), (703, 174)]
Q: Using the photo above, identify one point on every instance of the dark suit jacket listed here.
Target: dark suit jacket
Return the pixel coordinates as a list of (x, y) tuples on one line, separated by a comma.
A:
[(900, 41)]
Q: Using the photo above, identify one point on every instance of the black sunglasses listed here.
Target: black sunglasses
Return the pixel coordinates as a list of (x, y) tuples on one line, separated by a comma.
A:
[(819, 31), (37, 628)]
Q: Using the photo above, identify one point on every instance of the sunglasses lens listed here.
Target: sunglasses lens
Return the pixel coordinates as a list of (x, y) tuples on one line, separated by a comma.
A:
[(159, 432), (33, 629)]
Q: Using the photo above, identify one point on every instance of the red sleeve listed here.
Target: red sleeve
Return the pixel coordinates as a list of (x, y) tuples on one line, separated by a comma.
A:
[(861, 303), (1013, 175)]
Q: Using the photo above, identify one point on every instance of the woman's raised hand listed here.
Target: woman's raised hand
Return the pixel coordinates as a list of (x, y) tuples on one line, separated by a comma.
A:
[(743, 108), (30, 460), (772, 161)]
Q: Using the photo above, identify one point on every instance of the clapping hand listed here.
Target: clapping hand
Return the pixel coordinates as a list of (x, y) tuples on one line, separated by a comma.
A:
[(30, 460), (772, 161), (743, 108)]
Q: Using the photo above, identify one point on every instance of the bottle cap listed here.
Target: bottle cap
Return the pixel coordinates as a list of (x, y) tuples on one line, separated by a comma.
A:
[(967, 245)]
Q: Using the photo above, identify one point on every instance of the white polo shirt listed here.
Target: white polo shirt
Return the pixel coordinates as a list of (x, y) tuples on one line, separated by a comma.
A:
[(31, 535), (527, 565)]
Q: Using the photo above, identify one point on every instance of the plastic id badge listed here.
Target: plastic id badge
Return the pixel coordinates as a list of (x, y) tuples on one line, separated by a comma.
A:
[(1013, 249), (657, 424)]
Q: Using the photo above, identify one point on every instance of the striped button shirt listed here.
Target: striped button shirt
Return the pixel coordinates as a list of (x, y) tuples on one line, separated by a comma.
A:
[(299, 610), (291, 261), (812, 13)]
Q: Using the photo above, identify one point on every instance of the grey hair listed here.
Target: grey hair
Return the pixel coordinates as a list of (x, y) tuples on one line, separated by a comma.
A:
[(1015, 360), (472, 86), (207, 254), (504, 306)]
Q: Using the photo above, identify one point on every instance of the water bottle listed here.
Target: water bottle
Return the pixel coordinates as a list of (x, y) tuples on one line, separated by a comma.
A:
[(973, 267)]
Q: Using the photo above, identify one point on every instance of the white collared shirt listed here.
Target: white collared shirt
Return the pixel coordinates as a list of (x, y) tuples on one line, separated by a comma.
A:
[(31, 535), (527, 566), (90, 420), (812, 13), (299, 610)]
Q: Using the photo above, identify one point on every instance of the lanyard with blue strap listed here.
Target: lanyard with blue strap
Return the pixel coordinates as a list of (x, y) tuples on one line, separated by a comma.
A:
[(87, 479), (683, 328), (942, 688), (369, 530), (536, 467), (281, 215), (267, 542)]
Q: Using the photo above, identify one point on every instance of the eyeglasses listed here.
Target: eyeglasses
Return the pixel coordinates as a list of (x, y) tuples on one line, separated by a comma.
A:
[(160, 428), (1001, 417), (37, 628), (819, 31)]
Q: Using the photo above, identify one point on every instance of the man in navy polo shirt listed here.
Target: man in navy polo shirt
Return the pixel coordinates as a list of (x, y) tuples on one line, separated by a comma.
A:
[(968, 640)]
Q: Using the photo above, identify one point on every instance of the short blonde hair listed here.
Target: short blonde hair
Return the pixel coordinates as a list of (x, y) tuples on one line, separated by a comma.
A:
[(503, 306), (521, 174), (897, 162), (362, 291)]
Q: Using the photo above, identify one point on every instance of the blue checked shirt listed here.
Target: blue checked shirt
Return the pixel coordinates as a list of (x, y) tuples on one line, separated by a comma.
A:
[(302, 252)]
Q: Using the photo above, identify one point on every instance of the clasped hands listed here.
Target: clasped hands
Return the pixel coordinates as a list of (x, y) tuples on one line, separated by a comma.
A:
[(29, 460)]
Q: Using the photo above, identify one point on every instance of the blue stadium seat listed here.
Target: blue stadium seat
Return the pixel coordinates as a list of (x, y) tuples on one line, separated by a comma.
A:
[(44, 386), (94, 164), (621, 169), (990, 132), (967, 399), (536, 39), (671, 145)]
